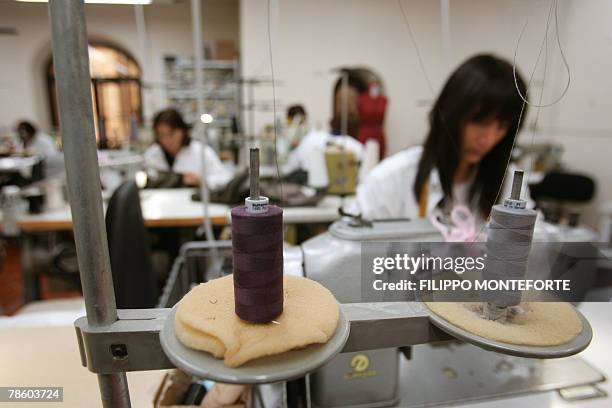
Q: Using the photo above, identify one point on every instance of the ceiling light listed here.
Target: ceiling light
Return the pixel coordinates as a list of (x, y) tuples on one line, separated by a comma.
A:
[(98, 1), (206, 118)]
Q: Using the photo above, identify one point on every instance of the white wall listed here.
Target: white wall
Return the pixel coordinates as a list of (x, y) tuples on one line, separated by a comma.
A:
[(23, 57), (310, 38)]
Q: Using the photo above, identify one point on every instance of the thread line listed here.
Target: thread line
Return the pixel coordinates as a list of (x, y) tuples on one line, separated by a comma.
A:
[(280, 182), (520, 119)]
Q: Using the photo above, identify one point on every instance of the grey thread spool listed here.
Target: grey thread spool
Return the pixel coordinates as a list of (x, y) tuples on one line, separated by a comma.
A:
[(509, 237)]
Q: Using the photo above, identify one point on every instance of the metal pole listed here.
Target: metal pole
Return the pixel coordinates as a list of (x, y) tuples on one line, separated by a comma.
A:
[(145, 63), (517, 184), (202, 128), (254, 173), (344, 102), (71, 64), (198, 63)]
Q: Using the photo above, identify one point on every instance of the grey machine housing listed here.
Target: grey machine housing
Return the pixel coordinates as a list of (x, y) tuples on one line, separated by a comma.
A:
[(334, 260), (334, 257)]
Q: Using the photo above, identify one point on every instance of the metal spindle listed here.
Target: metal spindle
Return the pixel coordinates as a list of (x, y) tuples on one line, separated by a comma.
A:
[(254, 173)]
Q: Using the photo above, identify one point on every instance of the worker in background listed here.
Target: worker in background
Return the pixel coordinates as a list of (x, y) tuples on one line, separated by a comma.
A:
[(38, 143), (473, 124), (35, 141), (297, 125), (174, 151), (344, 127)]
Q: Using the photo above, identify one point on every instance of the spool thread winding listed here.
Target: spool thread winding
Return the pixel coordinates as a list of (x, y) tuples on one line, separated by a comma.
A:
[(508, 244), (257, 247)]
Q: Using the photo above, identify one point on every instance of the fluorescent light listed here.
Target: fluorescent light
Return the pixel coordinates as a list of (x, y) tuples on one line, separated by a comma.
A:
[(144, 2), (141, 178), (206, 118)]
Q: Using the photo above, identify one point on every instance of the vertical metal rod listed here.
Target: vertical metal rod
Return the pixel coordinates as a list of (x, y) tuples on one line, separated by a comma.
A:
[(114, 389), (199, 127), (71, 64), (145, 59), (344, 102), (198, 62), (251, 106), (517, 184), (254, 173)]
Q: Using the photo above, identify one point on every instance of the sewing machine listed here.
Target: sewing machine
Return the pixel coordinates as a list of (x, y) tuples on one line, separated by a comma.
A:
[(378, 377), (370, 370)]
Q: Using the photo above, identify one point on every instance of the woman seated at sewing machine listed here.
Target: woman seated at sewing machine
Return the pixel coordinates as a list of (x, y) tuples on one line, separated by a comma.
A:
[(177, 158), (473, 124), (344, 128), (35, 141)]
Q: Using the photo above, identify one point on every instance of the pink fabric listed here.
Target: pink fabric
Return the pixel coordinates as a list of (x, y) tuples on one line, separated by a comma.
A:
[(462, 227)]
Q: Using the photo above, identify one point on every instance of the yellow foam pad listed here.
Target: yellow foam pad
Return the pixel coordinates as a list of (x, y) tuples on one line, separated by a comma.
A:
[(530, 323), (205, 320)]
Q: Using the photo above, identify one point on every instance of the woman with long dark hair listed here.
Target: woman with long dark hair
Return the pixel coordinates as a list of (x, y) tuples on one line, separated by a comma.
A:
[(175, 151), (36, 141), (473, 124)]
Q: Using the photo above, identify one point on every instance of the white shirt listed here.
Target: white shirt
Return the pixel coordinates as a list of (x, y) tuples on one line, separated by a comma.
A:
[(189, 160), (387, 191), (42, 144), (314, 143)]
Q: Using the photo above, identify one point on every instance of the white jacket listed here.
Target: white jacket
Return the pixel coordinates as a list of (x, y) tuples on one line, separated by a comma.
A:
[(315, 142), (189, 160), (387, 191), (43, 145)]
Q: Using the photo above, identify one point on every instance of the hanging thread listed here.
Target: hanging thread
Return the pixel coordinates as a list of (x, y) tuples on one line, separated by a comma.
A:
[(553, 9), (543, 46), (280, 182)]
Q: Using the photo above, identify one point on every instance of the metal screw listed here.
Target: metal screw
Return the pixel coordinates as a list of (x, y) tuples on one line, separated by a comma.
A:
[(119, 351)]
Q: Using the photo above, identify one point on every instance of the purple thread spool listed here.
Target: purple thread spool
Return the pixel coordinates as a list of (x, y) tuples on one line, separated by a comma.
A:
[(257, 246)]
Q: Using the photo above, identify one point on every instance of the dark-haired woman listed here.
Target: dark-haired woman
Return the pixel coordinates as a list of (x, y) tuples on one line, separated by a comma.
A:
[(36, 141), (473, 124), (174, 151)]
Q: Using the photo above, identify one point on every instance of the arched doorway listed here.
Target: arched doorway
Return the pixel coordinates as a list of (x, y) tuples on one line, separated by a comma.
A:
[(116, 95)]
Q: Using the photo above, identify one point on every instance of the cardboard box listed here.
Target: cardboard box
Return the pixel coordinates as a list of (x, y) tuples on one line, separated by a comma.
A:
[(342, 169), (225, 50), (172, 389)]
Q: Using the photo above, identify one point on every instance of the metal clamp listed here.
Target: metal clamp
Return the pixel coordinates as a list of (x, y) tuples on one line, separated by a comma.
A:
[(132, 343), (129, 344)]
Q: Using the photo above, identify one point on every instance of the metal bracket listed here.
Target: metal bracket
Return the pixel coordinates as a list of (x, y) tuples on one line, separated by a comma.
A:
[(129, 344), (389, 324), (132, 342)]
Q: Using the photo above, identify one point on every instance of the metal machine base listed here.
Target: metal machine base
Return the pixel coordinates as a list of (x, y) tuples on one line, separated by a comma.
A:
[(574, 346), (455, 372)]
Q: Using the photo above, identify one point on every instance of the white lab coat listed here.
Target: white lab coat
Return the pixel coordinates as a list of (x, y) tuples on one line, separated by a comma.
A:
[(387, 191), (315, 142), (189, 160), (42, 144)]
